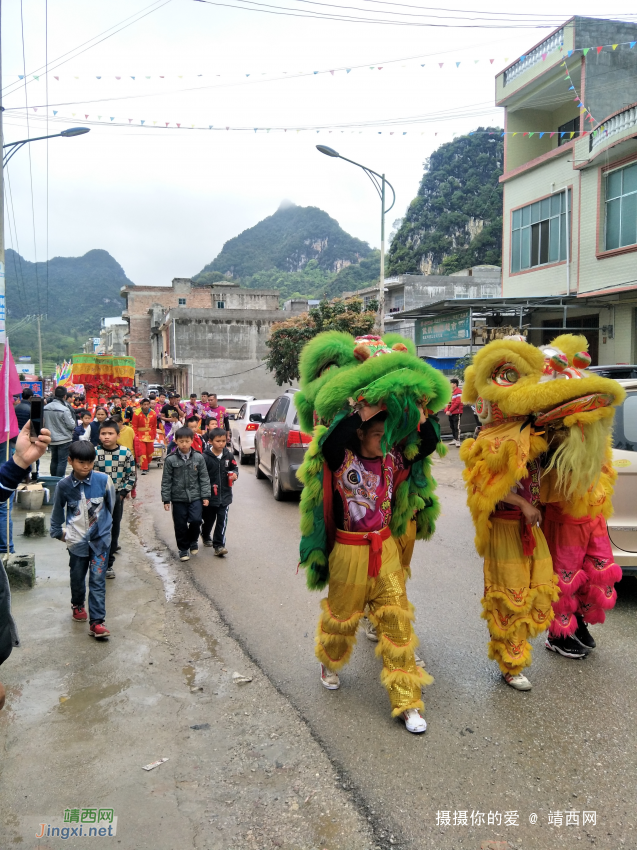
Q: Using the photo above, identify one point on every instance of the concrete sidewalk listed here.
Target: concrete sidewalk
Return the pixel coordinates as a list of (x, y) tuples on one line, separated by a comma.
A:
[(82, 718)]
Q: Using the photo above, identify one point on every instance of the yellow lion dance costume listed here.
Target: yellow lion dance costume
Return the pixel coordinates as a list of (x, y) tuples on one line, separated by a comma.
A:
[(532, 414)]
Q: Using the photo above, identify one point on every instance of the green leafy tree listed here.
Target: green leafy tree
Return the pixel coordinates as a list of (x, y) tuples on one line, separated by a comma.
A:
[(461, 365), (288, 338), (460, 187)]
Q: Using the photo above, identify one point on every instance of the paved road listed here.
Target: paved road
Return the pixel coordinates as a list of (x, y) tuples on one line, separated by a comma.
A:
[(569, 745)]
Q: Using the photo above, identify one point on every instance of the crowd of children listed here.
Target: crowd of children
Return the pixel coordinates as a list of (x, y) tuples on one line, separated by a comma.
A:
[(110, 442)]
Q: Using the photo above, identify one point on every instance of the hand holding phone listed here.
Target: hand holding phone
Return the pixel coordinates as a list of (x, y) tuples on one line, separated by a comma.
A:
[(37, 413)]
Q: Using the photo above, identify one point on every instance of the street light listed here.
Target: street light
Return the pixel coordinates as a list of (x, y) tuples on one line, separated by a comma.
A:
[(15, 146), (380, 188)]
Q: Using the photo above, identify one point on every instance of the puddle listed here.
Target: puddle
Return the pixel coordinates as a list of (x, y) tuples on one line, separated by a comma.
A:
[(198, 627), (163, 571), (190, 673), (159, 562), (89, 701)]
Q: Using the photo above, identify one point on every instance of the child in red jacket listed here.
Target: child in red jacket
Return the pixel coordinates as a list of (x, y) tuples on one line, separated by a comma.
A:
[(454, 411)]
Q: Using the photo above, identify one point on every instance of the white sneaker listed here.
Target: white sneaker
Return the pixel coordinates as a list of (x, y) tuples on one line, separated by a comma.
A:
[(370, 632), (414, 721), (519, 682), (329, 679), (419, 661)]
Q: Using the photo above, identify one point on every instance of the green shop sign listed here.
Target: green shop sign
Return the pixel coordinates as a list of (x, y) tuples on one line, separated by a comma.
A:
[(449, 327)]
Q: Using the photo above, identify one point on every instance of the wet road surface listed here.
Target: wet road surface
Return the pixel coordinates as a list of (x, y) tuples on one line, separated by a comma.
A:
[(568, 746)]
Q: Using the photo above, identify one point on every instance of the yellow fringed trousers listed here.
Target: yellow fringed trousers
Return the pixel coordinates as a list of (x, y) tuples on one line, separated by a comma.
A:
[(350, 589), (518, 592)]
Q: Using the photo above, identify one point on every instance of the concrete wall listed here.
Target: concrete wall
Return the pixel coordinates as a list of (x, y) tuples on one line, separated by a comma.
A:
[(223, 350), (245, 299), (610, 77)]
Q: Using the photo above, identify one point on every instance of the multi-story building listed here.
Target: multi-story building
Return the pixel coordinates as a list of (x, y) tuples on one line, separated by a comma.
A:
[(570, 182)]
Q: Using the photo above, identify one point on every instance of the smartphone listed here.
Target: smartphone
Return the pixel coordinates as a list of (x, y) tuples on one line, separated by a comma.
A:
[(37, 412)]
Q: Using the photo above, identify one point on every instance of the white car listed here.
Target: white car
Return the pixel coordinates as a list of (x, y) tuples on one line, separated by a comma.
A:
[(233, 403), (244, 430), (622, 525)]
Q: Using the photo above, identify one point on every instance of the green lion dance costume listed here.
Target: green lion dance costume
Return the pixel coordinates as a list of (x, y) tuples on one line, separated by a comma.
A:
[(366, 476)]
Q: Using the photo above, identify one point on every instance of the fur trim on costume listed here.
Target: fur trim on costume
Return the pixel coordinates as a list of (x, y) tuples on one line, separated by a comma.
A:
[(495, 463), (333, 379), (507, 663), (335, 638)]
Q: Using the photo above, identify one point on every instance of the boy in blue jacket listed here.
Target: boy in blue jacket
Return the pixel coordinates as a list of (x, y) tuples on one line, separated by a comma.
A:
[(83, 504)]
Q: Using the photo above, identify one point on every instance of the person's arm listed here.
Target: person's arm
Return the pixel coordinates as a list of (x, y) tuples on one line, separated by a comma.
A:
[(204, 480), (532, 515), (129, 477), (234, 466), (57, 515), (428, 438), (69, 419), (166, 483), (335, 444)]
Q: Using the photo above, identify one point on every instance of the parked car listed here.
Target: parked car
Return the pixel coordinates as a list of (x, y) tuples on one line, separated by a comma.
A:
[(244, 429), (233, 404), (620, 372), (622, 526), (468, 424), (280, 445)]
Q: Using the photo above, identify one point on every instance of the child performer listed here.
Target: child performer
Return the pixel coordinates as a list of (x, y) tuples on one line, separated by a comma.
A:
[(365, 565)]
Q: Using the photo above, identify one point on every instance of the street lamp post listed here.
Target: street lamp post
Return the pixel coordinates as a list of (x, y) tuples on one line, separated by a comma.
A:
[(379, 182), (12, 148)]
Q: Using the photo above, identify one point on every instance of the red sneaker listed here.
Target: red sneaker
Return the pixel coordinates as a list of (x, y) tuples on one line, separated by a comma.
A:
[(79, 613), (98, 630)]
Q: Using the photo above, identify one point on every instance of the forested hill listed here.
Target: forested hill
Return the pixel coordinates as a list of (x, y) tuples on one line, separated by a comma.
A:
[(80, 291), (287, 241), (455, 220)]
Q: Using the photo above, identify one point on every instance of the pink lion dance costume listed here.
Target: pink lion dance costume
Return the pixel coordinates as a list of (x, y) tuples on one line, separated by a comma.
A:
[(574, 525)]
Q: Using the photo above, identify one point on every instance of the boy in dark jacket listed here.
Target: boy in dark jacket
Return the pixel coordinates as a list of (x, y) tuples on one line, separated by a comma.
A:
[(185, 484), (223, 472)]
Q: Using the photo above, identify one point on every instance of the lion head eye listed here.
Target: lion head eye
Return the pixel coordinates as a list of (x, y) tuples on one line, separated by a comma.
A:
[(505, 375)]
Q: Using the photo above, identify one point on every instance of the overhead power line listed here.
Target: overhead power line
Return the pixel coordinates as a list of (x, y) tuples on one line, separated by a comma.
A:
[(61, 60)]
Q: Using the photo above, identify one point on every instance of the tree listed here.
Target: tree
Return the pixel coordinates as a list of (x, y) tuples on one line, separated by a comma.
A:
[(461, 364), (288, 338)]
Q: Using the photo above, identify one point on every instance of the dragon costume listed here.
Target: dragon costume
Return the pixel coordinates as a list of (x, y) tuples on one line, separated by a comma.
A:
[(535, 410), (361, 563)]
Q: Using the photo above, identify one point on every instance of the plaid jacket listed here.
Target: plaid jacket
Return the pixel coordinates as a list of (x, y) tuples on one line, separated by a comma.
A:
[(119, 465)]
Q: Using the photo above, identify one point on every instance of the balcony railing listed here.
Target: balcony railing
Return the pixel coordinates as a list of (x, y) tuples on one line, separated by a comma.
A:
[(538, 54), (617, 124)]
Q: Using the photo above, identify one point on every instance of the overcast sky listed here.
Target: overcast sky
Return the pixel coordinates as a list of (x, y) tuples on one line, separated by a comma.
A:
[(163, 200)]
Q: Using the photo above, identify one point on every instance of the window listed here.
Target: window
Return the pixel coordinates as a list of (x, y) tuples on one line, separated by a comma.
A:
[(282, 409), (568, 128), (221, 305), (271, 417), (538, 233), (621, 207), (182, 302)]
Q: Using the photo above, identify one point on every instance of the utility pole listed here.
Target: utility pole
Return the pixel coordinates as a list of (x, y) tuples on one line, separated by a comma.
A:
[(3, 334)]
